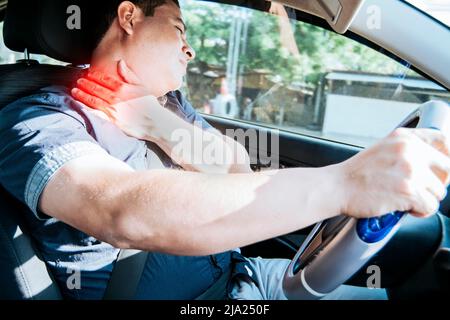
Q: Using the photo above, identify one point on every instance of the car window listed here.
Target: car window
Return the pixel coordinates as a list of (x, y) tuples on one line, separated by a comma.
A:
[(278, 72), (7, 56)]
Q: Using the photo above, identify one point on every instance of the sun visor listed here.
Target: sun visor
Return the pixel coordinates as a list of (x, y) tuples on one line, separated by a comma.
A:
[(338, 13)]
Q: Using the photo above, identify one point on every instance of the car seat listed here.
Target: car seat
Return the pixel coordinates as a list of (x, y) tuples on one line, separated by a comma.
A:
[(41, 27)]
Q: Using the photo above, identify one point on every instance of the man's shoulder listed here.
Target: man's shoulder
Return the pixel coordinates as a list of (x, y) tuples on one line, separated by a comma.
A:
[(48, 100), (47, 96)]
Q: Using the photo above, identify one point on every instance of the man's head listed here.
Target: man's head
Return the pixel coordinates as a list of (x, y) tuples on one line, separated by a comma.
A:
[(150, 36)]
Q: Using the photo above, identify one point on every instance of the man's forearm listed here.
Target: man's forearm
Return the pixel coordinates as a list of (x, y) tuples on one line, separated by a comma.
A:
[(196, 149), (189, 213)]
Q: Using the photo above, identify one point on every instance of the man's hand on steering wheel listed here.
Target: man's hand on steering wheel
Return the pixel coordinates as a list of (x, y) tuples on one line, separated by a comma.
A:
[(407, 171)]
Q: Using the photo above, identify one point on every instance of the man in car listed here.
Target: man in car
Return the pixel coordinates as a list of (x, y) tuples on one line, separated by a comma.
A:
[(97, 180)]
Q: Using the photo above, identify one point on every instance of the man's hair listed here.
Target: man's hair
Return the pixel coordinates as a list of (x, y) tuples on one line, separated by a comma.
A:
[(108, 12)]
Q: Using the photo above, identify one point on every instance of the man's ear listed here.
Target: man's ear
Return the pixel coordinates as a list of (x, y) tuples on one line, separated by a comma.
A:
[(127, 14)]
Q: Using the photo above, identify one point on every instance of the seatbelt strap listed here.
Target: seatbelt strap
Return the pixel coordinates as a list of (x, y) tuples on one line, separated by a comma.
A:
[(128, 270), (126, 275), (218, 291)]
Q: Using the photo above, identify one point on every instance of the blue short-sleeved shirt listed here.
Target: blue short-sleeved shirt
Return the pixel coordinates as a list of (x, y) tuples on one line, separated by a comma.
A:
[(38, 135)]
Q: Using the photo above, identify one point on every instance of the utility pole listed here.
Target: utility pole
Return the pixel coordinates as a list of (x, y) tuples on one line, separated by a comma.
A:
[(234, 48)]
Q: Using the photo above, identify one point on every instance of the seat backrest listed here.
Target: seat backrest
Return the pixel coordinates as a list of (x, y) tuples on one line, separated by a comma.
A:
[(23, 275), (39, 27)]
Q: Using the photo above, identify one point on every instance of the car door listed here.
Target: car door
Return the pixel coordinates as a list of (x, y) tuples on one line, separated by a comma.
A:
[(295, 93)]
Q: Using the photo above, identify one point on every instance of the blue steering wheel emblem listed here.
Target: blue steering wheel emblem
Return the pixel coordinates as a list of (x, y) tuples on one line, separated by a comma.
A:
[(375, 229)]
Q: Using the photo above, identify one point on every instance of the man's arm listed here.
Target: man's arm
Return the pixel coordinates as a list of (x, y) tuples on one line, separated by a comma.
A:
[(187, 213), (197, 149), (191, 213), (189, 142)]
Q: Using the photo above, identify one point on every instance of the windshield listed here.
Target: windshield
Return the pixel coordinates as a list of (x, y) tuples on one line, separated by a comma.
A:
[(438, 9)]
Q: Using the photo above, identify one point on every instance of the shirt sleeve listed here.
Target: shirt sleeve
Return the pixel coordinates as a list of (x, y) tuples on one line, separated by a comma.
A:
[(36, 141), (189, 113)]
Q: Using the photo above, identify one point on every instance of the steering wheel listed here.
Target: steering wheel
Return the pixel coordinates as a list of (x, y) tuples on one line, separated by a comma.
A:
[(337, 248)]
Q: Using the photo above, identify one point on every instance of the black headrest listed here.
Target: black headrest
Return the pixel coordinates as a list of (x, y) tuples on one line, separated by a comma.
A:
[(61, 29)]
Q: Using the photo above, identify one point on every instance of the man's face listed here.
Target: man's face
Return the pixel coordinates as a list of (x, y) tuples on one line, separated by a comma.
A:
[(158, 51)]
